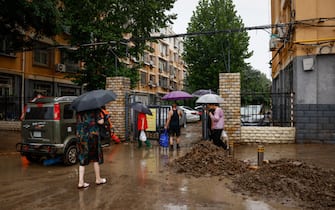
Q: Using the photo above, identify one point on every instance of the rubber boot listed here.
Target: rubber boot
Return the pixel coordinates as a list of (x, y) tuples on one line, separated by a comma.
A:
[(147, 142), (171, 147), (139, 143)]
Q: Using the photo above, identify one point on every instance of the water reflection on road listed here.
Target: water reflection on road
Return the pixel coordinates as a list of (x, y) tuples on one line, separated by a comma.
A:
[(138, 178)]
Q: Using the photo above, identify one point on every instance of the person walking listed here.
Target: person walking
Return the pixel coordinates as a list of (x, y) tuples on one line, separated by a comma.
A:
[(217, 124), (172, 124), (89, 145), (142, 124)]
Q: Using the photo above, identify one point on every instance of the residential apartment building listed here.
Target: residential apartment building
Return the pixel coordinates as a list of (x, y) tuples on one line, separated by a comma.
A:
[(25, 74), (43, 70), (303, 62), (164, 69)]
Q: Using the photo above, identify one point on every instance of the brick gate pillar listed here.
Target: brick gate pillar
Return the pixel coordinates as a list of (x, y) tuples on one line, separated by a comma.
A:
[(229, 90), (120, 86)]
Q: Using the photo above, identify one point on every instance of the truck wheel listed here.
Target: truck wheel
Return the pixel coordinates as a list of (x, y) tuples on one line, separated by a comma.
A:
[(71, 156), (31, 158)]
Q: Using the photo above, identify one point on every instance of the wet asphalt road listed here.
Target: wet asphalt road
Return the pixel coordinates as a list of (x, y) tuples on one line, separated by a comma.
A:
[(137, 178)]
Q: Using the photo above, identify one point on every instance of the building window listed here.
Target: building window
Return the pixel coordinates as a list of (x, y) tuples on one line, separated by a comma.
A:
[(6, 46), (72, 66), (41, 55), (163, 82), (6, 86), (163, 65), (163, 48), (152, 60), (153, 78), (146, 58), (67, 91), (176, 57), (144, 78), (43, 89)]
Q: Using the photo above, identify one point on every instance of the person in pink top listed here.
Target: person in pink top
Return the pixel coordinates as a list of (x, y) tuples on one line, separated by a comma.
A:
[(217, 124)]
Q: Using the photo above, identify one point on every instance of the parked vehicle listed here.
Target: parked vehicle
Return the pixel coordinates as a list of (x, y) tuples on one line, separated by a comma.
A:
[(251, 115), (192, 115), (162, 116), (200, 110), (48, 130)]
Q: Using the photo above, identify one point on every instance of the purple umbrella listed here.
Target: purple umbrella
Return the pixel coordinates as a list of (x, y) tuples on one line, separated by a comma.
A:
[(177, 95)]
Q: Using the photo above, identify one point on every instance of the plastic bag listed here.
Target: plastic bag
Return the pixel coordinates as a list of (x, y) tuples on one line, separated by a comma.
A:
[(224, 135), (143, 137), (225, 139), (164, 139)]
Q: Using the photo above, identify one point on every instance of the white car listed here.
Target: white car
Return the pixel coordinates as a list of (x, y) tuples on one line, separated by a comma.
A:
[(192, 115), (162, 116)]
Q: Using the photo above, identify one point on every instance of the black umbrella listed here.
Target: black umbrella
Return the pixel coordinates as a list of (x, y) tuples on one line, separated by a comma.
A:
[(139, 107), (92, 100)]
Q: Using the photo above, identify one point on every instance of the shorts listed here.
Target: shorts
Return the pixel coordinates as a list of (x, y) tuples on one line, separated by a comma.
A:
[(174, 131)]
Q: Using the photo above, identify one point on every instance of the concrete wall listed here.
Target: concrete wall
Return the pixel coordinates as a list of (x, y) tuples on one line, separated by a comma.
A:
[(314, 110), (317, 85)]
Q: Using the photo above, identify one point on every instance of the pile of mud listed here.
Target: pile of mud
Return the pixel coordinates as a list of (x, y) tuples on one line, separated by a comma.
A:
[(206, 159), (284, 180)]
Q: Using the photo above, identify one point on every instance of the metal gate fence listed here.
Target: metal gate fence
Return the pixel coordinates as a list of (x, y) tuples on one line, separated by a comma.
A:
[(156, 121)]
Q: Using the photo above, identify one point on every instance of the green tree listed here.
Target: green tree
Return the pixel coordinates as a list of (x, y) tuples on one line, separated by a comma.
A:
[(104, 22), (214, 53), (40, 18), (255, 87)]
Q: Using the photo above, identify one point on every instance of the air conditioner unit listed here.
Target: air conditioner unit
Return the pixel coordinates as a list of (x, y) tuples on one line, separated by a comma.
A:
[(172, 76), (273, 44), (274, 41), (135, 59), (60, 67), (151, 84), (281, 31)]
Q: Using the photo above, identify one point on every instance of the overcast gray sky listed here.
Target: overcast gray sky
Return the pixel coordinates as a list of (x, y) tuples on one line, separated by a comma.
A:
[(252, 12)]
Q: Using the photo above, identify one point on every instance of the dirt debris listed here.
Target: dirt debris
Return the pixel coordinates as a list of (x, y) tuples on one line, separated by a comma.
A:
[(206, 159), (285, 180)]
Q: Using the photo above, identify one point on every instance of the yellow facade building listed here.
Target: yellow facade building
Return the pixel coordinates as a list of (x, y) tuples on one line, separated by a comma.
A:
[(303, 64), (42, 70)]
